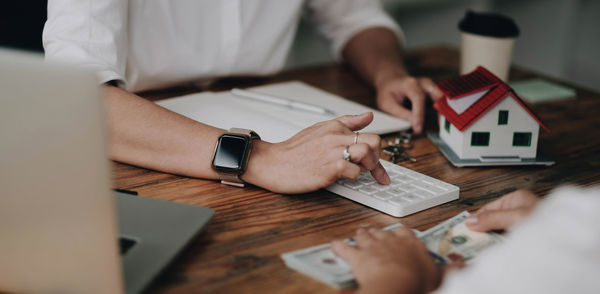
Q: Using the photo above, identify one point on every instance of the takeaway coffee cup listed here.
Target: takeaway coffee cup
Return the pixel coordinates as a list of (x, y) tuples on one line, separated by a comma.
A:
[(487, 39)]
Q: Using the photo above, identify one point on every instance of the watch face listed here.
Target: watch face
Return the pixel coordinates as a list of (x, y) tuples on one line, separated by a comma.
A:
[(231, 153)]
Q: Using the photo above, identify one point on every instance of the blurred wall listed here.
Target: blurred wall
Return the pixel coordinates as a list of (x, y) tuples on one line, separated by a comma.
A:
[(560, 38)]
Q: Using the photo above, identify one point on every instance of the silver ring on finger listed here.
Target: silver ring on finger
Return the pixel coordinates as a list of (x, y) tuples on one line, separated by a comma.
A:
[(346, 153), (356, 137)]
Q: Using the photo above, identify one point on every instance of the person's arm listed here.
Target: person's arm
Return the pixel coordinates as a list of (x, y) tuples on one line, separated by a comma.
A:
[(376, 54), (93, 34), (364, 35), (145, 134)]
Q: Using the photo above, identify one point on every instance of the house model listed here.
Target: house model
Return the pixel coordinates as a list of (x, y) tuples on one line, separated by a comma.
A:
[(482, 118)]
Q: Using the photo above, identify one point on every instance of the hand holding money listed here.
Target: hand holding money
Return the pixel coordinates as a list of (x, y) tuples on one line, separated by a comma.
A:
[(320, 263), (375, 261), (448, 242)]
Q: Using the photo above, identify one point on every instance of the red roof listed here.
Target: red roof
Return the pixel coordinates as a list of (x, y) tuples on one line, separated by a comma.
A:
[(476, 81)]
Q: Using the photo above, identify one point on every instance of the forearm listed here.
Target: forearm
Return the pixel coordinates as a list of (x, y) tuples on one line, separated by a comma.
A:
[(147, 135), (375, 53), (144, 134)]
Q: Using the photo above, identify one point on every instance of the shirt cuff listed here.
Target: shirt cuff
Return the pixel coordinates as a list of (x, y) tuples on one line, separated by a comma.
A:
[(108, 75)]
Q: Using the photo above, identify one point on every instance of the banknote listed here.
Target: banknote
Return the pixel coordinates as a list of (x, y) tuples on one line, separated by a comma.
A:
[(453, 242), (319, 262), (448, 242)]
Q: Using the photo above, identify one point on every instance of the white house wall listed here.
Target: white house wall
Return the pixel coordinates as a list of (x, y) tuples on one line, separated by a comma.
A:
[(453, 139), (501, 136)]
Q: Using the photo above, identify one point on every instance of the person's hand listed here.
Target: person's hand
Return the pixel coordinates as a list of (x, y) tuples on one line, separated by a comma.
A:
[(314, 157), (393, 89), (503, 213), (389, 262)]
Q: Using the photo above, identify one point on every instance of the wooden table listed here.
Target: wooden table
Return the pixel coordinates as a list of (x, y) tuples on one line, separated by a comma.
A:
[(239, 251)]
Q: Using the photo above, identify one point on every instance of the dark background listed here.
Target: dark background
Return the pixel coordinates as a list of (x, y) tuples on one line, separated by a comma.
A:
[(22, 23)]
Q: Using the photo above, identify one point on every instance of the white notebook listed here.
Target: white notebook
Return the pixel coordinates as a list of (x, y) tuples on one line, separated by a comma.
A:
[(272, 122)]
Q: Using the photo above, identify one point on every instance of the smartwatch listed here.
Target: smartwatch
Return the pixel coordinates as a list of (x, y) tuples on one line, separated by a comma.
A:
[(231, 155)]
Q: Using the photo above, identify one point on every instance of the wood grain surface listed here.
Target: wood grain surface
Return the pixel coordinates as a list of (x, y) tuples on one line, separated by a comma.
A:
[(239, 250)]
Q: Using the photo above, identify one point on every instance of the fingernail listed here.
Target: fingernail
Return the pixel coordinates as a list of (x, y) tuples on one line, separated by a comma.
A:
[(387, 178), (471, 220)]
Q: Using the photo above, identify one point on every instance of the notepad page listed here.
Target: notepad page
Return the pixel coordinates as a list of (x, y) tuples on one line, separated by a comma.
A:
[(274, 123)]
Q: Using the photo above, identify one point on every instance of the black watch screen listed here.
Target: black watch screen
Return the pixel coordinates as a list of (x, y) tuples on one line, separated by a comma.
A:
[(231, 153)]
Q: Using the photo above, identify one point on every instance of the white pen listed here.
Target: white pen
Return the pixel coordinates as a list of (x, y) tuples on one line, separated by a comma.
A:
[(281, 101)]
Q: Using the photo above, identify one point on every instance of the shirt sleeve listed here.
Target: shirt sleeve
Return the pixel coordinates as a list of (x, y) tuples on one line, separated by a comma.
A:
[(340, 20), (557, 250), (88, 33)]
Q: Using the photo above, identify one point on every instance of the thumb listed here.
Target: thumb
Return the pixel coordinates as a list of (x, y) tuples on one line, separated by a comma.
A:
[(495, 220), (356, 122)]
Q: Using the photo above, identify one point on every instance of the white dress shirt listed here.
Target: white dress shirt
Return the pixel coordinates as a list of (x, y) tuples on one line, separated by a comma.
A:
[(557, 250), (150, 44)]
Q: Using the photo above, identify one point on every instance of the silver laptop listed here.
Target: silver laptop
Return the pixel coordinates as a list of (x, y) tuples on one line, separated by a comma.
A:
[(62, 229)]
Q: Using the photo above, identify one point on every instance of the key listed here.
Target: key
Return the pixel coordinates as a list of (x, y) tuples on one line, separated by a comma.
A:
[(407, 156), (393, 151), (396, 152)]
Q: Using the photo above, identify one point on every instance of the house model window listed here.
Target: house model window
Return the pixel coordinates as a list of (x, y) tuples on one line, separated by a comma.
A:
[(491, 121), (502, 117), (480, 139), (522, 139)]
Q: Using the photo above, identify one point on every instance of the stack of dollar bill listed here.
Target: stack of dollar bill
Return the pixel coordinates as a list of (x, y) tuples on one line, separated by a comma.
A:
[(448, 242)]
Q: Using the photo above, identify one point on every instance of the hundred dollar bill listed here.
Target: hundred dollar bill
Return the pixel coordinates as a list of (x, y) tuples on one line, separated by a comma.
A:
[(453, 242), (450, 241), (320, 263)]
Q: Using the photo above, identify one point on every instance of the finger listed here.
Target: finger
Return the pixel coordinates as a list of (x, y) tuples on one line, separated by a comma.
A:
[(379, 234), (495, 220), (403, 232), (356, 122), (345, 251), (373, 140), (523, 198), (494, 205), (431, 89), (501, 203), (515, 199), (345, 169), (363, 238), (392, 105), (417, 99), (363, 155), (381, 175), (368, 159)]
